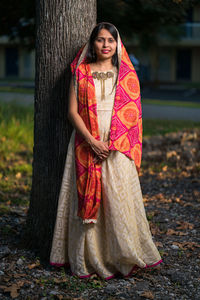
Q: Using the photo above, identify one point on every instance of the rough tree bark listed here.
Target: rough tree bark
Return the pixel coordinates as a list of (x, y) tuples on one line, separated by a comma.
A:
[(62, 26)]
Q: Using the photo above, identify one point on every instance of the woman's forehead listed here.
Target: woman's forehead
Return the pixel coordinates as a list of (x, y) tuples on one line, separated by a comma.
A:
[(104, 33)]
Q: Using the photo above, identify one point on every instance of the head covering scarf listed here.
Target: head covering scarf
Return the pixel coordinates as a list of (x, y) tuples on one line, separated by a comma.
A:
[(125, 129)]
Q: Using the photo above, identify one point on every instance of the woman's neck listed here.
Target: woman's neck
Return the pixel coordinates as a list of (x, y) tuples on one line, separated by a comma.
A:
[(102, 65)]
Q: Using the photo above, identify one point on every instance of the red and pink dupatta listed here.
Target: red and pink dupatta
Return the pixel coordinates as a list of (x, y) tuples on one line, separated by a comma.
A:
[(125, 130)]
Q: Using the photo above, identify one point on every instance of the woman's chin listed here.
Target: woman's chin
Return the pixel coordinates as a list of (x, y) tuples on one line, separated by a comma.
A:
[(104, 57)]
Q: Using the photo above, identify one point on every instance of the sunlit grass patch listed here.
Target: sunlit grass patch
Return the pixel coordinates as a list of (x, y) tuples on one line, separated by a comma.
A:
[(10, 89), (160, 127), (171, 103), (16, 150)]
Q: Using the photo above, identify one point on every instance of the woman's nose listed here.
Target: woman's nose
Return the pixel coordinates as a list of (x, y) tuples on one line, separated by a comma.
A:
[(105, 43)]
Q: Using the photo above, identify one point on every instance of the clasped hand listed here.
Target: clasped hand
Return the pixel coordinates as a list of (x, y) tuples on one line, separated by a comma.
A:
[(101, 150)]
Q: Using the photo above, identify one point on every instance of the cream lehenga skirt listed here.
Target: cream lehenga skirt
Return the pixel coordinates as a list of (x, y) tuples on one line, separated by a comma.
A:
[(121, 240)]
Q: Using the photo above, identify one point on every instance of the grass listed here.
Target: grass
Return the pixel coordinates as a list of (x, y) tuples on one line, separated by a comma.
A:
[(10, 89), (171, 103), (16, 150), (161, 127)]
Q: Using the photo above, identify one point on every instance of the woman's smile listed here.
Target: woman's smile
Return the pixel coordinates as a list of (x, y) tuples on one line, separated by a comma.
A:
[(105, 51)]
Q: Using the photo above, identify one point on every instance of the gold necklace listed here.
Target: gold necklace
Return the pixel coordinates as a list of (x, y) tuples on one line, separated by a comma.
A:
[(102, 77)]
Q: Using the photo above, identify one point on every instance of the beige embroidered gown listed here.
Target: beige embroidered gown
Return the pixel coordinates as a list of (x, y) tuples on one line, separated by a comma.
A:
[(121, 238)]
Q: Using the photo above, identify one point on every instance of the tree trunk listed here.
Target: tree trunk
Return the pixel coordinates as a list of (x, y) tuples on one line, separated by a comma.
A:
[(62, 27)]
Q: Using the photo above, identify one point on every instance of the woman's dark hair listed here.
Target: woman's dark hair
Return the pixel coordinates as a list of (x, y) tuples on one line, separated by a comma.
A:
[(91, 55)]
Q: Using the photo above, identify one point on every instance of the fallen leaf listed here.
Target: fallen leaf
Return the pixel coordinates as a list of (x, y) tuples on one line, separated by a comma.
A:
[(187, 245), (3, 287), (180, 245), (181, 233), (159, 244), (18, 175), (147, 294), (32, 266), (155, 229), (178, 200), (151, 172), (13, 289), (189, 204), (184, 225), (20, 283), (138, 279), (165, 168), (191, 245), (173, 232), (170, 231), (60, 280)]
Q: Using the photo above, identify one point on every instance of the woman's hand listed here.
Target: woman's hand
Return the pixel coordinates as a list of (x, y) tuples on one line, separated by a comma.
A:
[(101, 150)]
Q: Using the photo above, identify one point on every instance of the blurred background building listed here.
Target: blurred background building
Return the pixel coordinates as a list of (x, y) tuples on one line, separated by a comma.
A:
[(173, 60), (16, 62), (170, 61)]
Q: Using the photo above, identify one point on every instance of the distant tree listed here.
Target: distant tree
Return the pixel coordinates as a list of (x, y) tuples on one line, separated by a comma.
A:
[(143, 18), (17, 19), (62, 27)]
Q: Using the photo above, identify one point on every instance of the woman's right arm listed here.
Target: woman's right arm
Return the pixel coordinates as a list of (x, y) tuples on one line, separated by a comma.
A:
[(99, 147)]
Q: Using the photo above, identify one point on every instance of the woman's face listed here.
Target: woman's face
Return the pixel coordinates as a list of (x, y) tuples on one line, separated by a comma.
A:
[(105, 45)]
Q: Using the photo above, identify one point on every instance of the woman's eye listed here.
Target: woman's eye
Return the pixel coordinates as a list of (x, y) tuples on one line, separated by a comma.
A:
[(101, 40)]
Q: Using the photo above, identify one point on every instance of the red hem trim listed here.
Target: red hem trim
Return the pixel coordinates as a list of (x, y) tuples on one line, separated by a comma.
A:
[(151, 266), (83, 276), (135, 267), (59, 265), (110, 277)]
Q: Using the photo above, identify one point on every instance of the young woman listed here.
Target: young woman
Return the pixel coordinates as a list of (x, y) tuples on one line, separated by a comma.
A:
[(101, 225)]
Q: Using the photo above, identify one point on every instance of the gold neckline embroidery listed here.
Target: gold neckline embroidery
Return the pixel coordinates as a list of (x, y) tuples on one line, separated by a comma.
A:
[(102, 76)]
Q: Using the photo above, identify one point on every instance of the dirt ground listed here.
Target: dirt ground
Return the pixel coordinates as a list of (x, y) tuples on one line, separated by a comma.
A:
[(170, 184)]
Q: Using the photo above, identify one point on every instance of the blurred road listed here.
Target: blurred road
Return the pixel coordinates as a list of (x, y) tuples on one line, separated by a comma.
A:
[(20, 98), (172, 93), (149, 111)]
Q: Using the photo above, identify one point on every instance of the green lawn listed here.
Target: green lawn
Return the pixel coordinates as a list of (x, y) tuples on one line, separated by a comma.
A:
[(16, 150), (10, 89), (171, 103), (155, 127), (16, 146)]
